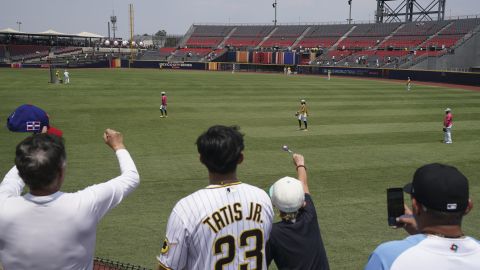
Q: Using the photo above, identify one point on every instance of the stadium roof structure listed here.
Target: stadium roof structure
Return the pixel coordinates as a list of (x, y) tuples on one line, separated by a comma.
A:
[(10, 31), (50, 32), (88, 34)]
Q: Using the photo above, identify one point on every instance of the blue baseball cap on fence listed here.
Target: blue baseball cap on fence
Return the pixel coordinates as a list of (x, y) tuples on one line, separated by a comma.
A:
[(27, 118)]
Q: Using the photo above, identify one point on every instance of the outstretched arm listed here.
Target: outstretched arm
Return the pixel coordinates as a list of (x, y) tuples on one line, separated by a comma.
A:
[(299, 162), (107, 195), (12, 185)]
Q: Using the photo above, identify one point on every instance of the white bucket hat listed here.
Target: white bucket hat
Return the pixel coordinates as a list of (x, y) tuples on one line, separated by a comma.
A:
[(287, 194)]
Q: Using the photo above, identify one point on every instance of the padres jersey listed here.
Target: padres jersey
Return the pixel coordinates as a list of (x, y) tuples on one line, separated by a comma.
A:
[(219, 227), (303, 110), (422, 251)]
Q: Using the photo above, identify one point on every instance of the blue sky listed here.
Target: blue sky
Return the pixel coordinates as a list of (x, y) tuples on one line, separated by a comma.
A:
[(176, 16)]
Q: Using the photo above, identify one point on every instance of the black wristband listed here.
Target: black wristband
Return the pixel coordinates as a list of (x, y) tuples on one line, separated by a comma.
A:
[(303, 166)]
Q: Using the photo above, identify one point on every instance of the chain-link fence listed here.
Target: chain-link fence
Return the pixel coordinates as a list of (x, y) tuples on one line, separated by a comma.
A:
[(106, 264)]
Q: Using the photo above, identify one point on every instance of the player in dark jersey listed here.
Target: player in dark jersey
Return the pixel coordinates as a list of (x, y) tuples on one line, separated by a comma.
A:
[(295, 242)]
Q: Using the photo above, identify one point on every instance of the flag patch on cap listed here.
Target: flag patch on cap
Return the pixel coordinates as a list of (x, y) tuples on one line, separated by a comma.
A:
[(33, 125)]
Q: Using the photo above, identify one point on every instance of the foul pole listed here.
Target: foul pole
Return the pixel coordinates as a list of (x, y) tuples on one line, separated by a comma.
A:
[(132, 54)]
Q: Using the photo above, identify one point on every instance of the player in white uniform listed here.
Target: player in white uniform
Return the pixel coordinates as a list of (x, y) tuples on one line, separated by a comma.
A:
[(440, 199), (226, 224), (48, 229), (66, 77)]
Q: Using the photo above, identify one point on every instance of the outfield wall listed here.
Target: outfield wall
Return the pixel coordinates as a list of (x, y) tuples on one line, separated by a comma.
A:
[(464, 78)]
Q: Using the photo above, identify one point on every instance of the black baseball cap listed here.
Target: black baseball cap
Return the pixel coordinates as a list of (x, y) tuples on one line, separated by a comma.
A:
[(439, 187)]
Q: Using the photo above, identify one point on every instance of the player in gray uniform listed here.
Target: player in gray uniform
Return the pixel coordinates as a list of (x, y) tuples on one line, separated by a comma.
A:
[(225, 225)]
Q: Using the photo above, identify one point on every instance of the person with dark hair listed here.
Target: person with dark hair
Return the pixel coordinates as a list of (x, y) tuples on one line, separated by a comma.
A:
[(296, 241), (440, 200), (224, 225), (47, 228)]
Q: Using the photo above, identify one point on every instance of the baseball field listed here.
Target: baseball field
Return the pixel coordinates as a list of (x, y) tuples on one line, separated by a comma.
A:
[(364, 136)]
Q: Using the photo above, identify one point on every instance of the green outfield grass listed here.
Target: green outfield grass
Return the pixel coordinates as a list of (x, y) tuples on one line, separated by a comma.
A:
[(364, 136)]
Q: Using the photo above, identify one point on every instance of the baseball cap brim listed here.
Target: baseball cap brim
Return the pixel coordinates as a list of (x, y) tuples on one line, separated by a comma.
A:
[(408, 188), (55, 131)]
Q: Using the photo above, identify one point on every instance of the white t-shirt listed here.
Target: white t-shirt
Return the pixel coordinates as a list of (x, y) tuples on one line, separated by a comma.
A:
[(422, 251), (57, 231), (219, 226)]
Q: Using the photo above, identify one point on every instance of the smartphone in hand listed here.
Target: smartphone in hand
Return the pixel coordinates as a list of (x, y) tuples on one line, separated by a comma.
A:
[(395, 206)]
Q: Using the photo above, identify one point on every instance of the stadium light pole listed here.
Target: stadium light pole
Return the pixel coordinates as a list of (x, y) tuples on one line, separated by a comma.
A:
[(274, 5), (19, 23), (350, 12)]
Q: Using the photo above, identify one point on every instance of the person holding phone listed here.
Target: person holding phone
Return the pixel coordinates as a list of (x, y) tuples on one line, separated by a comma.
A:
[(440, 200), (296, 241)]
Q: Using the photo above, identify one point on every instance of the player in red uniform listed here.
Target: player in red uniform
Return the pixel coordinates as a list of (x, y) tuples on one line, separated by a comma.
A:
[(163, 107), (447, 126)]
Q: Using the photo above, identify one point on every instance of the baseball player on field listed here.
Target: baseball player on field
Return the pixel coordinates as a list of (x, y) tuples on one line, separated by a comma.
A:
[(163, 106), (409, 84), (226, 224), (302, 114), (447, 126)]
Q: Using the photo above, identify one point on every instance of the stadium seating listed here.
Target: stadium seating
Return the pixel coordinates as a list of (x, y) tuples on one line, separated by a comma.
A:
[(402, 42), (374, 30), (2, 51), (312, 42), (151, 55), (375, 43), (252, 31), (199, 42), (335, 56), (461, 27), (359, 43), (328, 30), (211, 30), (413, 34), (367, 36), (20, 50), (278, 42), (323, 36), (284, 36), (429, 53), (243, 42), (166, 51), (443, 41), (248, 35), (25, 52), (63, 50), (449, 36), (191, 54), (291, 31)]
